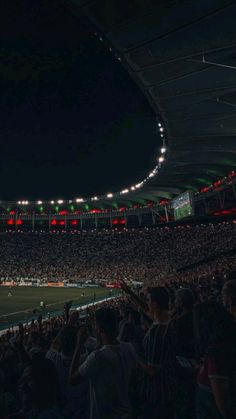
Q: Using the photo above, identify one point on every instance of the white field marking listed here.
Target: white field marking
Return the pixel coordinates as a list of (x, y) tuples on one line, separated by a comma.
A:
[(29, 309), (79, 308)]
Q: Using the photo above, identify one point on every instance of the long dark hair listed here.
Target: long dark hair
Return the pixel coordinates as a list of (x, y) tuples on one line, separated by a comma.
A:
[(214, 329)]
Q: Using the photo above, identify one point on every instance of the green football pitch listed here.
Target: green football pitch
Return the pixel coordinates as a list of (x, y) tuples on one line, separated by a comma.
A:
[(24, 302)]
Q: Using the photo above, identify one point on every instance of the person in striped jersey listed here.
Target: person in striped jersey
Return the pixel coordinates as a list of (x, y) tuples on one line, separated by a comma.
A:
[(159, 357)]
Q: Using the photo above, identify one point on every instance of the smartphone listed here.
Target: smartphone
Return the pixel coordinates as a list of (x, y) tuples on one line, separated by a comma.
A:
[(184, 362)]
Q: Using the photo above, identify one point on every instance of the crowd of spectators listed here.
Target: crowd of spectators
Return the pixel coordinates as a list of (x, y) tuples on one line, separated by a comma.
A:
[(165, 352), (143, 254)]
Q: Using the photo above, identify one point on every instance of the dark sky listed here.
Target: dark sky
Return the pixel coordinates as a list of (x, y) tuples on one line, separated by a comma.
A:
[(72, 122)]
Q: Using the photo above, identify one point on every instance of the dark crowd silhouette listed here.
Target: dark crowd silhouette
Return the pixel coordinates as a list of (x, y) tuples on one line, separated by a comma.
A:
[(164, 351)]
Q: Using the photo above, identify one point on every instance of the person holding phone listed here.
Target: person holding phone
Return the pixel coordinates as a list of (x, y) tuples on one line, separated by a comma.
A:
[(108, 368)]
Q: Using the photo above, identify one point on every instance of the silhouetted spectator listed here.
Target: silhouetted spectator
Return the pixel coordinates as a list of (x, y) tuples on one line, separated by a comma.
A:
[(215, 336), (108, 369)]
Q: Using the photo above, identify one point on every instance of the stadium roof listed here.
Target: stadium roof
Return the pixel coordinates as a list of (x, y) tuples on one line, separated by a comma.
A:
[(182, 55)]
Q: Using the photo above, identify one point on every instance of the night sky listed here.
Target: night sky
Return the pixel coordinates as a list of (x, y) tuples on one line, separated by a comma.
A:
[(72, 121)]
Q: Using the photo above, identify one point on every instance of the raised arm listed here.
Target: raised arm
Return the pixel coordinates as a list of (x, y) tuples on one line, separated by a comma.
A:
[(74, 375), (135, 298)]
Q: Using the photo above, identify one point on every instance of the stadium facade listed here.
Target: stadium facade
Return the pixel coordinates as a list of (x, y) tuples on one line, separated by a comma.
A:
[(213, 200)]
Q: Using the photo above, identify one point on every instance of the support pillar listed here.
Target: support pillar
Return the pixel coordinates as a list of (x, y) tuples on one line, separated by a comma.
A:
[(16, 218), (33, 220), (220, 201), (234, 192), (49, 222), (140, 220), (153, 218), (167, 215)]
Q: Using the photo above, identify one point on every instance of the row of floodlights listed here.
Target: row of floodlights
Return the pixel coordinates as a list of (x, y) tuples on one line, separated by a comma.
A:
[(161, 158), (153, 173), (106, 44)]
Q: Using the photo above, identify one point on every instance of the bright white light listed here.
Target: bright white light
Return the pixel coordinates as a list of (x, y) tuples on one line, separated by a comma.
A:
[(163, 150), (19, 202), (79, 200), (159, 124), (138, 185), (161, 129), (94, 198), (52, 202), (109, 195), (125, 191), (39, 202), (151, 174), (162, 135), (60, 201), (161, 159), (132, 188)]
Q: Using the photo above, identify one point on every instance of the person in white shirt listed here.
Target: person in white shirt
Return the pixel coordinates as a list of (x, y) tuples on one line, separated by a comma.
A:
[(108, 368)]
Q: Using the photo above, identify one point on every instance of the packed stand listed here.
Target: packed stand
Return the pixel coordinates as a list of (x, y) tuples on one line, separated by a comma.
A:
[(143, 254)]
